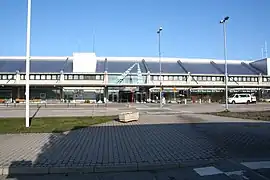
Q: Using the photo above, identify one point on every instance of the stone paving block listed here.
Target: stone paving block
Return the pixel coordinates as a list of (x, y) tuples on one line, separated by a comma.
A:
[(65, 170), (156, 166), (24, 170), (116, 167)]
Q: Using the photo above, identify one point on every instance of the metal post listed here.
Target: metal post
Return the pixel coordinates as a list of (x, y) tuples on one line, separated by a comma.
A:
[(226, 67), (159, 56), (27, 66)]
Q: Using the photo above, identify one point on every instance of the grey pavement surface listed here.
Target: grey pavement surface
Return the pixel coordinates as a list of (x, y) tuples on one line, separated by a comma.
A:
[(154, 142), (114, 109), (222, 170)]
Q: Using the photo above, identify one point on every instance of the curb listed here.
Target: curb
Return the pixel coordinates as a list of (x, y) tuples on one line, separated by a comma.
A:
[(101, 168)]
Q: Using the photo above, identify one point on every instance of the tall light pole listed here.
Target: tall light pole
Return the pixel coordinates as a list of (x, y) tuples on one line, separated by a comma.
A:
[(27, 65), (223, 21), (159, 56)]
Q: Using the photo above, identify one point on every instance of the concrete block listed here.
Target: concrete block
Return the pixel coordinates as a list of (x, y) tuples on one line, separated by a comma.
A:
[(156, 166), (116, 167), (64, 170), (128, 116), (24, 170)]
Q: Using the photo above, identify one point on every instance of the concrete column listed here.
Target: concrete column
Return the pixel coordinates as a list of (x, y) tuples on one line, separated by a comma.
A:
[(189, 78), (62, 94), (148, 78), (106, 94), (17, 77), (260, 79), (62, 78), (15, 93)]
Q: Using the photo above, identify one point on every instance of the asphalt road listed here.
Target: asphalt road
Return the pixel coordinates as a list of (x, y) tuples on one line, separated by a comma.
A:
[(114, 109)]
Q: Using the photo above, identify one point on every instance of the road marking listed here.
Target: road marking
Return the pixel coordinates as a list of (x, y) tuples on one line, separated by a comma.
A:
[(237, 173), (206, 171), (257, 165)]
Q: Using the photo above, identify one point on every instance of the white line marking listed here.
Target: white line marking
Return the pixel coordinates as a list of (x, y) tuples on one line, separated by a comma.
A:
[(237, 173), (257, 165), (206, 171)]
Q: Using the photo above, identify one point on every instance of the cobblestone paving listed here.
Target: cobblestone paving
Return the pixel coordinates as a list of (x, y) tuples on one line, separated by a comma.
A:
[(222, 170), (153, 140)]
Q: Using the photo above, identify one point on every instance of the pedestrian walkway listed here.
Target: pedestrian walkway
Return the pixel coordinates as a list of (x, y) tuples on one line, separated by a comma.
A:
[(153, 142), (222, 170)]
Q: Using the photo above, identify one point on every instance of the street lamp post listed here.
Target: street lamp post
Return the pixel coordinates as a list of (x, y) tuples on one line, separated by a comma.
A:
[(159, 56), (27, 65), (223, 21)]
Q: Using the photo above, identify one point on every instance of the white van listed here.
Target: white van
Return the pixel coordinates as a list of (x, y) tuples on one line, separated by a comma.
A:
[(241, 98)]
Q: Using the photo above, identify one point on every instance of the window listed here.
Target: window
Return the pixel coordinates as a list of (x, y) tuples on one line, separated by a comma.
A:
[(81, 77), (43, 77), (155, 78), (89, 77), (49, 77), (244, 95), (97, 77), (180, 78), (70, 77), (209, 78), (4, 77), (204, 78), (37, 77), (184, 78), (22, 77), (248, 79), (76, 77), (195, 78), (165, 78), (32, 77), (235, 78), (199, 78), (54, 77), (218, 78), (213, 78), (240, 79), (244, 79), (175, 78), (170, 78), (10, 76)]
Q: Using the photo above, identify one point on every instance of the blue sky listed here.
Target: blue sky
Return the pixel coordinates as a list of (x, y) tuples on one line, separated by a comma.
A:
[(191, 28)]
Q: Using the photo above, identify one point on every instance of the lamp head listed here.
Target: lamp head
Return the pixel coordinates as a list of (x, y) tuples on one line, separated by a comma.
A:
[(159, 30), (224, 20)]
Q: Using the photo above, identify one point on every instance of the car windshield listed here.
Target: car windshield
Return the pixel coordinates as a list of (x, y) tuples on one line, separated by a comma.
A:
[(232, 95)]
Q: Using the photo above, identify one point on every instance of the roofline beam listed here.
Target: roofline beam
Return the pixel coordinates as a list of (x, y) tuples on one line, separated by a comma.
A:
[(145, 66), (257, 68), (253, 70)]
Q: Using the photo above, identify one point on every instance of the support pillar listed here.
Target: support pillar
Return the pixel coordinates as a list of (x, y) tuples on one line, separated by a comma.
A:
[(105, 94), (62, 94)]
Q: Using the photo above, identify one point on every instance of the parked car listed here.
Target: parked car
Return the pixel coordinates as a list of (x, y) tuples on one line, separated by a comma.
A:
[(242, 98)]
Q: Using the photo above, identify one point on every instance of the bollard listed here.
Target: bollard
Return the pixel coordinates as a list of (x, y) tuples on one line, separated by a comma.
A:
[(209, 101), (45, 105), (185, 101), (200, 101), (68, 104)]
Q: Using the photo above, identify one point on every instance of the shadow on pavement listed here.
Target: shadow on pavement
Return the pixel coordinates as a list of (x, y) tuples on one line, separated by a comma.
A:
[(150, 144)]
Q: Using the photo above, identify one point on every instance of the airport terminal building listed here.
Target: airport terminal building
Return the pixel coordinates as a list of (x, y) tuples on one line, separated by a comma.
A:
[(85, 76)]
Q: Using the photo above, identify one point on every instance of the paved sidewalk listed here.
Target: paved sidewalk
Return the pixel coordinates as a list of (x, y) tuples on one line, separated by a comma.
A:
[(153, 142), (221, 170)]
